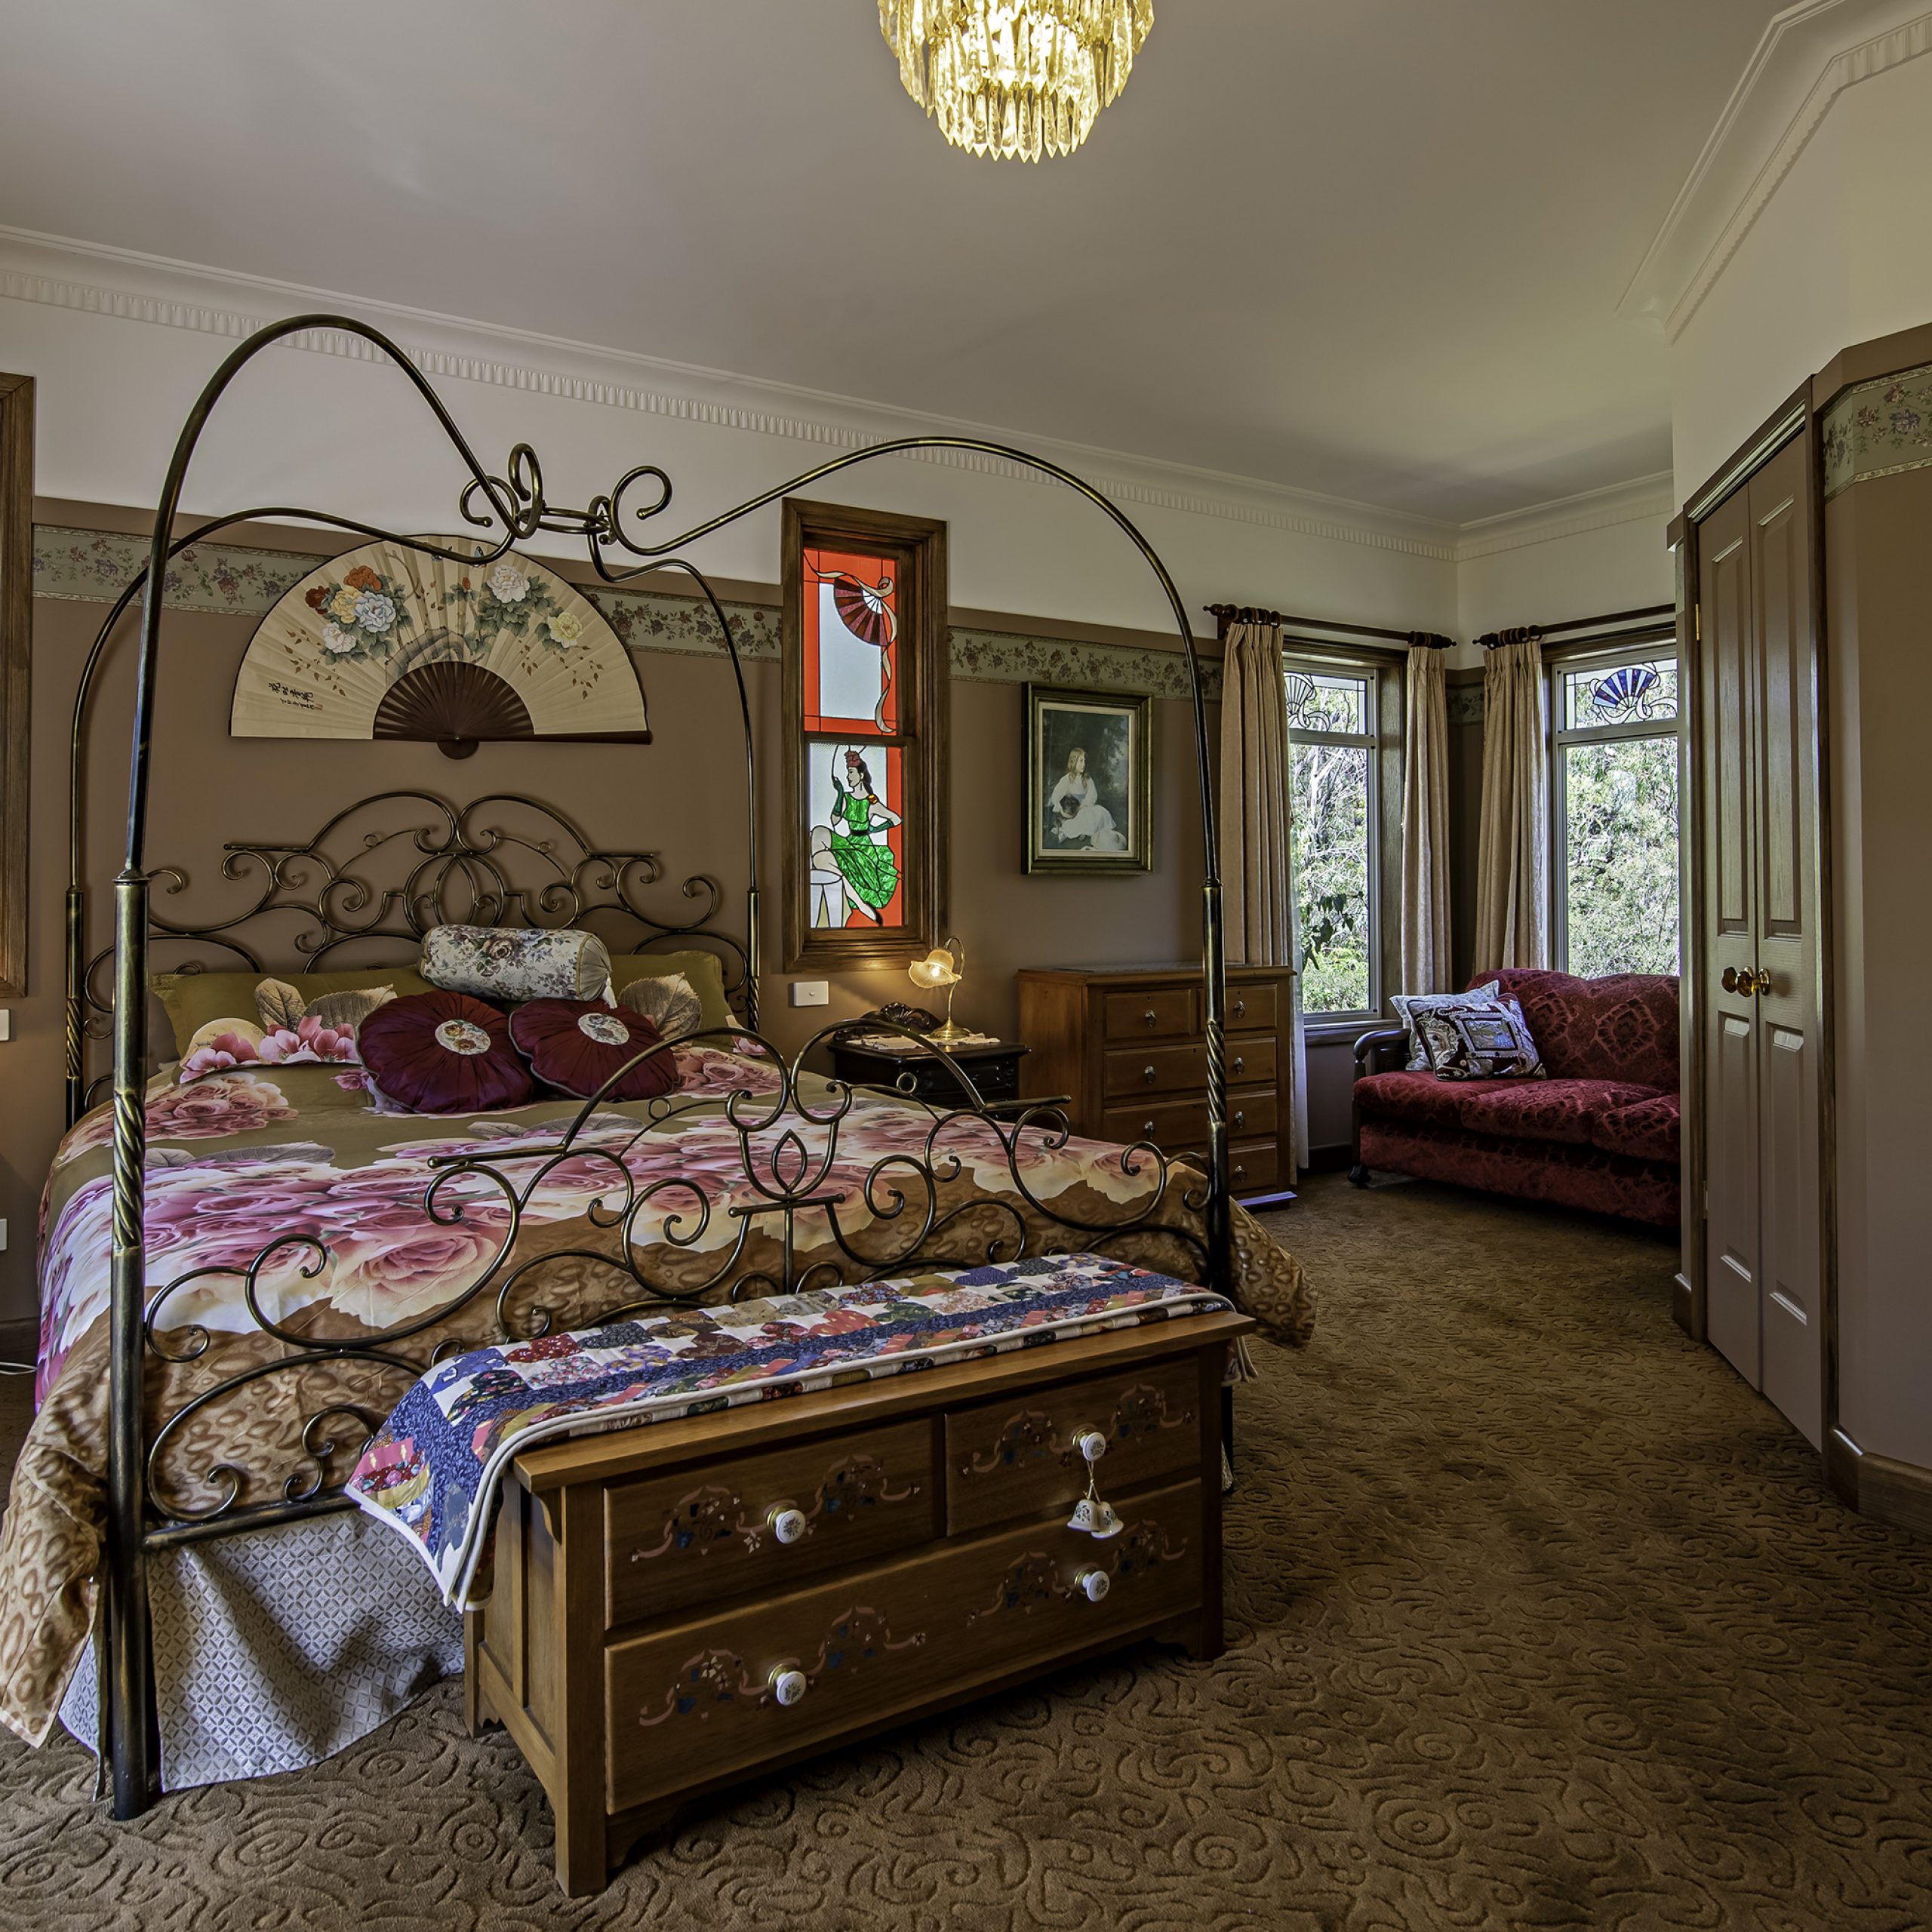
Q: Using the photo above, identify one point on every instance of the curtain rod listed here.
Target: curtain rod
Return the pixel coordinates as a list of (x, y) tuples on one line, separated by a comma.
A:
[(1490, 639), (1225, 614)]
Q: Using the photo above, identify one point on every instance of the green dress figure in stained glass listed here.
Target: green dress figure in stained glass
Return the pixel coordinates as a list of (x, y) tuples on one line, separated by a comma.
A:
[(866, 862)]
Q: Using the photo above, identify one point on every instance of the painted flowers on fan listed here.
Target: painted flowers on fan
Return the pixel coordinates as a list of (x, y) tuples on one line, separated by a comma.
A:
[(507, 584), (363, 616)]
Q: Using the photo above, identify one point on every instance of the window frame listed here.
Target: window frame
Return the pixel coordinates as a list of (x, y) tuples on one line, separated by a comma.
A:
[(1385, 674), (1600, 659), (917, 548)]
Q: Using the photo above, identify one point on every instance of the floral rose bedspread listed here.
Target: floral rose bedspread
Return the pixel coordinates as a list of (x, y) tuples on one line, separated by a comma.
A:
[(237, 1160)]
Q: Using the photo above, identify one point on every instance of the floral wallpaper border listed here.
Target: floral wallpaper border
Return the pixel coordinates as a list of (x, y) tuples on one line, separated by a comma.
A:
[(94, 566), (1881, 427)]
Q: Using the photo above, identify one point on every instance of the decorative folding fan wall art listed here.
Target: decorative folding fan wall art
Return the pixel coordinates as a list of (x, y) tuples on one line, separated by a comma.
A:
[(388, 642)]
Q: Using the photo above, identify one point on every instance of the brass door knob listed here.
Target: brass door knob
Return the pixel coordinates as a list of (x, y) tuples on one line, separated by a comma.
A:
[(1743, 984), (1760, 982)]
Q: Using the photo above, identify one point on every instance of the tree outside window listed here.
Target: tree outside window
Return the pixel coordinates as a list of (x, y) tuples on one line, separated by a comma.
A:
[(1616, 814), (1333, 838)]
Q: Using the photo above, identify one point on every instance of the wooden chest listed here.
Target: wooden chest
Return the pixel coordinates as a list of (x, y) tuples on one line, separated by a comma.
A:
[(1127, 1045), (680, 1606)]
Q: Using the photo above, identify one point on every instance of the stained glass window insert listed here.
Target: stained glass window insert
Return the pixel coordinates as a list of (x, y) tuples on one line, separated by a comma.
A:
[(856, 833), (851, 643), (1641, 692)]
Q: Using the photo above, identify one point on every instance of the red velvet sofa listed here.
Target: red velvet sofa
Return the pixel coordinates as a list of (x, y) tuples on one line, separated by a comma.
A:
[(1600, 1133)]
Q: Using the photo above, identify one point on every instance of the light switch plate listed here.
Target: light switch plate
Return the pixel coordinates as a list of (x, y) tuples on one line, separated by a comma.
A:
[(811, 992), (6, 1022), (3, 1237)]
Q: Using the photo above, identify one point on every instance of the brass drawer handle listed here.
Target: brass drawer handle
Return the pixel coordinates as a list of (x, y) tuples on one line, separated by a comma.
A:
[(1240, 1170), (1147, 1075), (1240, 1009), (1151, 1017), (1240, 1062), (1147, 1128)]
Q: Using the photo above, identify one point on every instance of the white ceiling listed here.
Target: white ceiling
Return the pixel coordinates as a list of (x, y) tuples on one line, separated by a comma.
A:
[(1370, 247)]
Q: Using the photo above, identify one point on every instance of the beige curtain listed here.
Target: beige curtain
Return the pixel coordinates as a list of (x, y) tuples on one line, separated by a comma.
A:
[(1512, 863), (1254, 796), (1426, 967), (1256, 894)]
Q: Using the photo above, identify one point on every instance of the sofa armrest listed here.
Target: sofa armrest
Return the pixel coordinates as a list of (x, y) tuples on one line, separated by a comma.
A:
[(1372, 1050)]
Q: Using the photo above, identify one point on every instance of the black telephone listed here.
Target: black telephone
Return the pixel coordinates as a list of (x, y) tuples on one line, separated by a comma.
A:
[(897, 1013)]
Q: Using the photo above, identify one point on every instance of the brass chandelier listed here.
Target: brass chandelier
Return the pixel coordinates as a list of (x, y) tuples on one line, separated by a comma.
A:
[(1015, 78)]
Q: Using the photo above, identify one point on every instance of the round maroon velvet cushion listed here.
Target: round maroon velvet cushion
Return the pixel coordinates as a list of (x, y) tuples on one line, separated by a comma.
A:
[(441, 1053), (576, 1045)]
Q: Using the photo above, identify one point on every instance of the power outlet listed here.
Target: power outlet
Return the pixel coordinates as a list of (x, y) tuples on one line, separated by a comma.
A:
[(811, 992)]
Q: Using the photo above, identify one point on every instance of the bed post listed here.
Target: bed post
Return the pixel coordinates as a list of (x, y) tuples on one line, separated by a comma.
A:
[(128, 1687)]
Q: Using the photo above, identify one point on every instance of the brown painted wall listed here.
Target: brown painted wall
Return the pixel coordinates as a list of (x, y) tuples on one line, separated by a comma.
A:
[(1878, 588), (679, 796)]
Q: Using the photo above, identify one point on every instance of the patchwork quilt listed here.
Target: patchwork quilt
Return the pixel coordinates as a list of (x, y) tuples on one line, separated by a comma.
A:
[(300, 1155), (432, 1471)]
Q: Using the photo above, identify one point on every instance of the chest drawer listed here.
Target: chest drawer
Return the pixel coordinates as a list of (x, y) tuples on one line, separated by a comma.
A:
[(1252, 1007), (1147, 1014), (702, 1701), (1007, 1460), (1252, 1114), (1253, 1165), (1250, 1059), (1153, 1070), (1167, 1124), (674, 1541)]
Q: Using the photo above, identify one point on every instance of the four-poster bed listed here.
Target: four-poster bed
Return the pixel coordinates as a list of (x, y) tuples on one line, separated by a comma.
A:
[(755, 1178)]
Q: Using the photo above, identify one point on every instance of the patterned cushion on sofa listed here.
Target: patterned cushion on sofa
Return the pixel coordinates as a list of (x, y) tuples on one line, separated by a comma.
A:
[(1622, 1027), (1547, 1110), (1649, 1131), (1417, 1099)]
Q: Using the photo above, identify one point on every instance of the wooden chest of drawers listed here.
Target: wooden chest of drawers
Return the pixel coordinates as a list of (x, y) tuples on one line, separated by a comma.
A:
[(680, 1606), (1127, 1045)]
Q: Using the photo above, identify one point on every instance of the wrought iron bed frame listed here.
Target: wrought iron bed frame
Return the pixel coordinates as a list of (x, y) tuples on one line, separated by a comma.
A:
[(333, 905)]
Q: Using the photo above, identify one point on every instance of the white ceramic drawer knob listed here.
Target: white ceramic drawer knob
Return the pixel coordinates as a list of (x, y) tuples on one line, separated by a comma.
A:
[(789, 1525), (1091, 1443), (789, 1686), (1093, 1584)]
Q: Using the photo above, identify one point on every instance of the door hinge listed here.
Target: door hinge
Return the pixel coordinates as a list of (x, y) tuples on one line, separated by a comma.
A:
[(1697, 622)]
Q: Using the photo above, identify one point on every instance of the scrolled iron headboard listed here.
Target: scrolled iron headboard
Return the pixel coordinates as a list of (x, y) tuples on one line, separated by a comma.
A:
[(390, 866)]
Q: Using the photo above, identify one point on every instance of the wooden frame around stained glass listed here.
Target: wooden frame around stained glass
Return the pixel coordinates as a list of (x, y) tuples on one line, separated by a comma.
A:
[(866, 802)]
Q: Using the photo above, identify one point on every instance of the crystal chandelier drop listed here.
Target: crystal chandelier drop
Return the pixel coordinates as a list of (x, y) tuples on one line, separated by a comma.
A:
[(1015, 78)]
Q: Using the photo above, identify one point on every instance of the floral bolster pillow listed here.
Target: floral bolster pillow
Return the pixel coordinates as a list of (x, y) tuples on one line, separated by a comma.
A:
[(444, 1052), (516, 963), (1480, 1040), (288, 1029)]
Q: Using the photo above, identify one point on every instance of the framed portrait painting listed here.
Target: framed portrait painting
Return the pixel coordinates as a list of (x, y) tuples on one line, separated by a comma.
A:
[(1089, 781)]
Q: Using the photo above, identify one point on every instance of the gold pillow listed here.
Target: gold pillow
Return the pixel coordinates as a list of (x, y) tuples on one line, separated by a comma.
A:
[(704, 970), (192, 999)]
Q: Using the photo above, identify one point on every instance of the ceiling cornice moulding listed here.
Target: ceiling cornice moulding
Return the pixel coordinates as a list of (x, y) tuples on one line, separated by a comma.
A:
[(1810, 56), (1644, 499), (56, 273)]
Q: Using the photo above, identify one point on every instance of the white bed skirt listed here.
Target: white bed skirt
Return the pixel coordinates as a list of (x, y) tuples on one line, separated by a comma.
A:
[(276, 1649)]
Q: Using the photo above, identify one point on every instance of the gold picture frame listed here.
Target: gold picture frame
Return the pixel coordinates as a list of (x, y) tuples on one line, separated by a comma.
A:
[(1089, 781)]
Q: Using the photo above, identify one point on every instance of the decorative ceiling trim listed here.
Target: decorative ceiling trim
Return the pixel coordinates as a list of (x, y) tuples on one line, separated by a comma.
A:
[(1644, 499), (1810, 54), (128, 286)]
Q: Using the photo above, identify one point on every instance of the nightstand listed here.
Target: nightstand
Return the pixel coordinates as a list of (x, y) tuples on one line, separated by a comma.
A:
[(992, 1066)]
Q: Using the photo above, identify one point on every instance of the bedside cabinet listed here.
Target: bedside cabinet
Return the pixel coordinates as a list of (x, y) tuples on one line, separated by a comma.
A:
[(1126, 1043), (993, 1067)]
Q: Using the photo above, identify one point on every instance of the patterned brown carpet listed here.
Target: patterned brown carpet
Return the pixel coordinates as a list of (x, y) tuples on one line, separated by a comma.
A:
[(1539, 1618)]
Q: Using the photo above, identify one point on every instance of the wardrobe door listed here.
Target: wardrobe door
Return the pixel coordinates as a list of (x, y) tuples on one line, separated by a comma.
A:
[(1788, 999), (1728, 952)]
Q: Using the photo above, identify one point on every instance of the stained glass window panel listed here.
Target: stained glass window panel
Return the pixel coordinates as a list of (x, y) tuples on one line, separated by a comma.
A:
[(1318, 702), (855, 834), (851, 611), (1644, 692)]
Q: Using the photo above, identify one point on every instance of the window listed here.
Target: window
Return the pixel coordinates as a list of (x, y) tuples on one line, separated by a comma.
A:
[(1334, 802), (865, 612), (1615, 820)]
